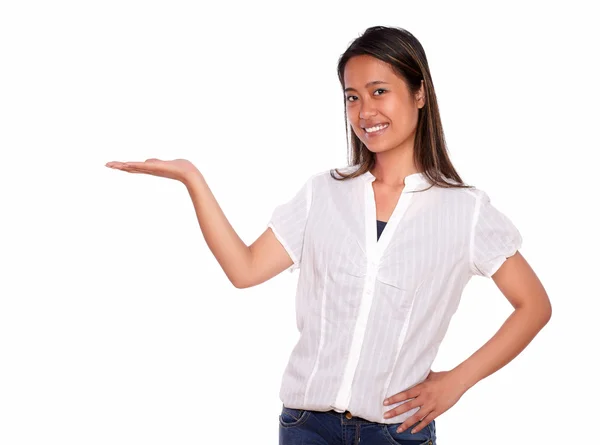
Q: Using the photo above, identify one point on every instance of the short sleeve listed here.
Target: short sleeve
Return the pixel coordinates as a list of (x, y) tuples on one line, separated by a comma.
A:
[(494, 237), (288, 222)]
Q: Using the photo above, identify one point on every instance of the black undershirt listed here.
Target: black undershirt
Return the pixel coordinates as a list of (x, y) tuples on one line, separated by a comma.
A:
[(380, 227)]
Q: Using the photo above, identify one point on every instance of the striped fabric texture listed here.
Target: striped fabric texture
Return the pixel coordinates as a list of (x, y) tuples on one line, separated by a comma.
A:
[(372, 313)]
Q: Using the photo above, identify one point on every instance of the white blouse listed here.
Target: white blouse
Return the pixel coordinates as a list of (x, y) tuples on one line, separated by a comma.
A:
[(372, 313)]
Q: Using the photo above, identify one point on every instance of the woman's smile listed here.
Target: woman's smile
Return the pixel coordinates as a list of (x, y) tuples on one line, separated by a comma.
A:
[(375, 130)]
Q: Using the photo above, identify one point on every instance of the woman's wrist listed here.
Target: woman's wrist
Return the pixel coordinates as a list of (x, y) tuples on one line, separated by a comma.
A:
[(464, 377), (190, 178)]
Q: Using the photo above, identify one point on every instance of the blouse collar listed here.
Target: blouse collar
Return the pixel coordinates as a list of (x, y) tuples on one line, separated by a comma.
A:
[(411, 182)]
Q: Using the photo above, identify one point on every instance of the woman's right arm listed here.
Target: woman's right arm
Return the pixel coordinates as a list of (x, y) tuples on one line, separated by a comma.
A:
[(245, 266)]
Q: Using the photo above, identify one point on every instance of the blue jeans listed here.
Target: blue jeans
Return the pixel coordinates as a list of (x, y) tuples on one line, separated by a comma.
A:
[(300, 427)]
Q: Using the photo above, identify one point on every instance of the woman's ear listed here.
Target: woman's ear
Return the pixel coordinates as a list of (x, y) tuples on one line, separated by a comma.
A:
[(421, 96)]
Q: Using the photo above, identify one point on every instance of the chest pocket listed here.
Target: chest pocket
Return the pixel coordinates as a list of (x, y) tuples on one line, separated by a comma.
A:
[(333, 239), (411, 261)]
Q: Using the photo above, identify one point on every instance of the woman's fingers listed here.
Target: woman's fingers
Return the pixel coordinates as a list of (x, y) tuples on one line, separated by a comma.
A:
[(427, 420), (132, 167), (404, 395), (401, 409), (412, 420), (136, 167), (116, 164)]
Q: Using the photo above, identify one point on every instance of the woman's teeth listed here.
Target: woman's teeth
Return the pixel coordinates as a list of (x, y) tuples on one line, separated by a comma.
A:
[(376, 128)]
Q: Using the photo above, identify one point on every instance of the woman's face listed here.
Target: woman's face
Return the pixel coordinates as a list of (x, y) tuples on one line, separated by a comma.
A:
[(380, 108)]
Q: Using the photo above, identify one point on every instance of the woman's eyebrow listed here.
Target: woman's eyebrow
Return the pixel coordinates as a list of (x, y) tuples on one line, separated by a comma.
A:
[(374, 82)]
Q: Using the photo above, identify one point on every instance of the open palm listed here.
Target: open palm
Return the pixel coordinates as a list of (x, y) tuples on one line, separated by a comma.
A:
[(178, 169)]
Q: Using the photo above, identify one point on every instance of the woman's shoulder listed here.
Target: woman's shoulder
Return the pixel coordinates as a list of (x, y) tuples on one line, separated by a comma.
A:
[(461, 194), (471, 193), (333, 173), (470, 199), (346, 169)]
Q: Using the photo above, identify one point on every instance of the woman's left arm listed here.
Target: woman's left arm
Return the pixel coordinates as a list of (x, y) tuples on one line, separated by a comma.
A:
[(441, 390), (520, 285)]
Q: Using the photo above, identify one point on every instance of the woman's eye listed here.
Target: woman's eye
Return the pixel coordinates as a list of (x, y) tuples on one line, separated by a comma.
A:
[(353, 98)]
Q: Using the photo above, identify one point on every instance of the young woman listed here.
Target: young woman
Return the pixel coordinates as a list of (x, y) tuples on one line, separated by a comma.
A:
[(385, 248)]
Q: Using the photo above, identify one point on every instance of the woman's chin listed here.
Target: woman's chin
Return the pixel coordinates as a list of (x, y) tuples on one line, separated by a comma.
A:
[(377, 147)]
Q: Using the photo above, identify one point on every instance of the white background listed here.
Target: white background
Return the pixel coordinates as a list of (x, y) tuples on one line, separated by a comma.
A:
[(117, 325)]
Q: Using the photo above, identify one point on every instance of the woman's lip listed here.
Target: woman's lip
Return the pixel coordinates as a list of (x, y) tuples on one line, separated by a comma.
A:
[(376, 133)]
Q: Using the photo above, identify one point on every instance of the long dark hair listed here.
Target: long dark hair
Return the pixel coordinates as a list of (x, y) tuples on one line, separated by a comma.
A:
[(405, 55)]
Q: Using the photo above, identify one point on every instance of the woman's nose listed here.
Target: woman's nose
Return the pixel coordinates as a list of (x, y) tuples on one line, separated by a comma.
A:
[(367, 110)]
